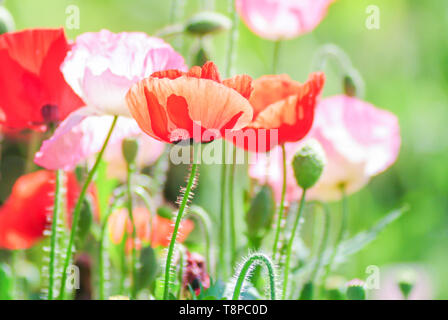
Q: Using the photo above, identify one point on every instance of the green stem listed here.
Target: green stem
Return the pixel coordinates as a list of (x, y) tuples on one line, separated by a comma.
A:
[(203, 216), (134, 232), (340, 235), (290, 243), (282, 205), (323, 242), (232, 209), (276, 55), (78, 206), (255, 259), (222, 269), (54, 228), (231, 44), (101, 290), (183, 205)]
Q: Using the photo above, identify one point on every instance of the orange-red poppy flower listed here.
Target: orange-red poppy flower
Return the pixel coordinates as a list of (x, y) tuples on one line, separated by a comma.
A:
[(172, 106), (283, 111), (156, 232), (33, 89), (27, 212)]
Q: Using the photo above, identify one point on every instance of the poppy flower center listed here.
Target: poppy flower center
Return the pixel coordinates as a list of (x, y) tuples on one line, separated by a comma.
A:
[(50, 113)]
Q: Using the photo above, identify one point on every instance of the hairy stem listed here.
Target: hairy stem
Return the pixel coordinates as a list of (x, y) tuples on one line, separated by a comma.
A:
[(282, 206), (290, 243), (54, 228), (232, 209), (255, 259), (78, 206), (183, 205)]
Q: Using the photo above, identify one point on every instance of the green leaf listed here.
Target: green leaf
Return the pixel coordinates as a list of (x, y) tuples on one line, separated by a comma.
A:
[(6, 282)]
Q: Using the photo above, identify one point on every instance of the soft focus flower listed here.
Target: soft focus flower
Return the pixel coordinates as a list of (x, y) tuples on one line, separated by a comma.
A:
[(149, 150), (26, 213), (33, 90), (173, 106), (423, 283), (101, 68), (282, 19), (156, 231), (195, 274), (283, 111), (359, 140)]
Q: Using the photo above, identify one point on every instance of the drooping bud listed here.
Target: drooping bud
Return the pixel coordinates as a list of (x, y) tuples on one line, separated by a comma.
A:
[(355, 290), (406, 283), (261, 211), (205, 23), (195, 274), (6, 20), (130, 150), (308, 164), (349, 86)]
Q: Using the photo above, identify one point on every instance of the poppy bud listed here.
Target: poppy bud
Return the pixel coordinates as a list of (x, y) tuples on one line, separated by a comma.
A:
[(6, 20), (307, 291), (406, 283), (85, 223), (130, 150), (165, 212), (207, 22), (355, 290), (308, 164), (261, 211), (349, 86)]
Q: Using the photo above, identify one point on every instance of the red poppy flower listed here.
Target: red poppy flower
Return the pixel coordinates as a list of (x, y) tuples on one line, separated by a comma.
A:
[(26, 213), (172, 106), (158, 234), (283, 111), (33, 89)]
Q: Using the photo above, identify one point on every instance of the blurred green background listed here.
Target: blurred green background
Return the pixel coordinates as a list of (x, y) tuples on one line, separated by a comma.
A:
[(405, 68)]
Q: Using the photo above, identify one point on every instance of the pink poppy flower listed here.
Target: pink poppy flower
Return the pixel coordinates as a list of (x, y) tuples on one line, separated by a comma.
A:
[(360, 141), (101, 67), (282, 19)]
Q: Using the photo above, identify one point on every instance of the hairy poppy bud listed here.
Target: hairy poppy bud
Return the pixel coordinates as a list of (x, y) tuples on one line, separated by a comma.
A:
[(6, 20), (207, 22), (355, 290), (130, 150), (261, 211), (308, 164), (406, 283)]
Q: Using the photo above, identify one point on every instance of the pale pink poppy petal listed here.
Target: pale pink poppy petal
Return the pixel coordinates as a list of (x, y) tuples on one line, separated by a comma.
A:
[(282, 19), (80, 136), (102, 66)]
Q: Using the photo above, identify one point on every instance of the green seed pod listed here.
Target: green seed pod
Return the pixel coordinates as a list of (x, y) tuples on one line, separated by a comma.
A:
[(6, 20), (307, 291), (130, 150), (205, 23), (148, 268), (85, 223), (308, 164), (261, 211), (355, 290)]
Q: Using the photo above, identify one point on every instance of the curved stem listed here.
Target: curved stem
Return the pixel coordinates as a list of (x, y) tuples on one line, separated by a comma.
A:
[(290, 243), (232, 209), (183, 205), (282, 206), (255, 259), (341, 233), (78, 206), (134, 232), (207, 227), (54, 228)]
